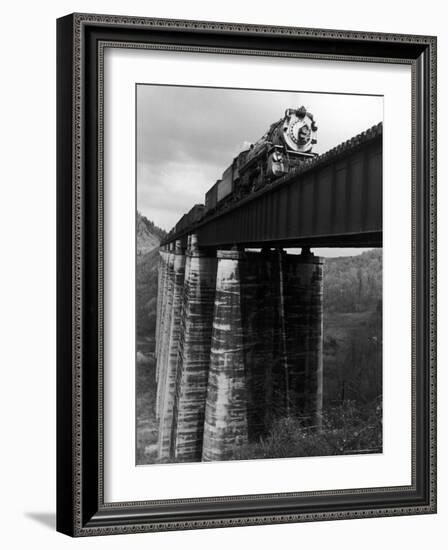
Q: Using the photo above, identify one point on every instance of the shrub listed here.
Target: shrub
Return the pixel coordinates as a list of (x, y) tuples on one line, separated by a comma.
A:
[(346, 428)]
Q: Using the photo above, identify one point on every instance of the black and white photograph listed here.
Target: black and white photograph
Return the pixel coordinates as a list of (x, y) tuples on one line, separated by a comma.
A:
[(258, 274), (219, 285)]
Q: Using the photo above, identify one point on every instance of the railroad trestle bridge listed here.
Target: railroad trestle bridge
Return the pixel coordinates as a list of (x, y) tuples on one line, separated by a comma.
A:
[(239, 332)]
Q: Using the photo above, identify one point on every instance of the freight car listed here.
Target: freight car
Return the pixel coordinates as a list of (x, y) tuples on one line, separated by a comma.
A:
[(193, 216), (211, 197)]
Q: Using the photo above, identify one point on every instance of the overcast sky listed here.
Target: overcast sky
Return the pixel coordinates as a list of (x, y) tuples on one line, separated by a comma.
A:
[(187, 136)]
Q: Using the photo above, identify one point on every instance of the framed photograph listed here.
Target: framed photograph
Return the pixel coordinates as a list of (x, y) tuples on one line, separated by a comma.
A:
[(246, 274)]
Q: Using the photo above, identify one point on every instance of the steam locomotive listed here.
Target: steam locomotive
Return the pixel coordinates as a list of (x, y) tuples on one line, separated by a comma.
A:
[(287, 143)]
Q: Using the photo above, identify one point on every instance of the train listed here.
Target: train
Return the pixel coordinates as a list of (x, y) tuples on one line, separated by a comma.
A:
[(286, 144)]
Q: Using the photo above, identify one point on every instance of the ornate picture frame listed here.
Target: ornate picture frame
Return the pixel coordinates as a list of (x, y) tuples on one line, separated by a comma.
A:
[(81, 506)]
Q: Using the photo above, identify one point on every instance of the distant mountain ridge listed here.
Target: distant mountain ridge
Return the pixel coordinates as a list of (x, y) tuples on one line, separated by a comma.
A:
[(148, 235), (148, 241)]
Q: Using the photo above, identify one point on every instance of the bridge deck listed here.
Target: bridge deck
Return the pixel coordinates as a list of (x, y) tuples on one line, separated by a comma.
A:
[(332, 200)]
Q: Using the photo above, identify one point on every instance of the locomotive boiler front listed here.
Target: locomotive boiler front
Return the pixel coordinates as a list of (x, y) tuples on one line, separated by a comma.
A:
[(292, 140), (298, 130)]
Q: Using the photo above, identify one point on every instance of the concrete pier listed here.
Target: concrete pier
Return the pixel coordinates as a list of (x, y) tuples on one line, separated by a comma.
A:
[(194, 354), (226, 423), (259, 298), (302, 290), (168, 389), (164, 329), (239, 344), (160, 295)]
